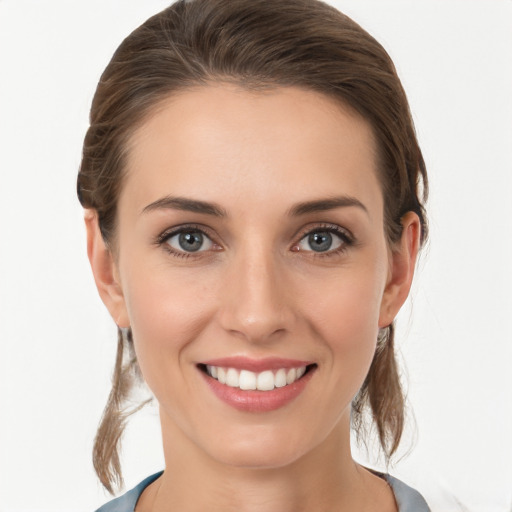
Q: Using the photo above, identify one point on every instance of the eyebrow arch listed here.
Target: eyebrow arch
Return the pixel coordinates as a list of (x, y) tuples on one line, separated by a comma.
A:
[(185, 204), (322, 205)]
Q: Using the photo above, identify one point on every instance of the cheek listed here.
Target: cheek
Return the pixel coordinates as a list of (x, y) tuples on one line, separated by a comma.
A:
[(345, 317), (166, 315)]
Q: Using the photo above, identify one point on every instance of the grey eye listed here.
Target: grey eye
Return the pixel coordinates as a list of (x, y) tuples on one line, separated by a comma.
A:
[(320, 241), (190, 241)]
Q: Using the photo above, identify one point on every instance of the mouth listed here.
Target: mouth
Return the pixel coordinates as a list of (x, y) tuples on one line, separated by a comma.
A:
[(247, 380), (257, 386)]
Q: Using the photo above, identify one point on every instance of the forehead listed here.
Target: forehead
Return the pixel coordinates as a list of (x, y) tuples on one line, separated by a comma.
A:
[(222, 140)]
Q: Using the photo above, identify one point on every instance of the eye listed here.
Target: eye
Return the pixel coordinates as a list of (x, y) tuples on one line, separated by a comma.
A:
[(320, 241), (324, 240), (189, 240)]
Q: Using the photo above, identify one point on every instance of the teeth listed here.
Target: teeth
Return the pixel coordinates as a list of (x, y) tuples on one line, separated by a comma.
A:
[(232, 378), (247, 380), (212, 370), (263, 381), (280, 378), (221, 375)]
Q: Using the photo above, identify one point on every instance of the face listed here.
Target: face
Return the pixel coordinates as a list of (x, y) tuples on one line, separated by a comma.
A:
[(252, 266)]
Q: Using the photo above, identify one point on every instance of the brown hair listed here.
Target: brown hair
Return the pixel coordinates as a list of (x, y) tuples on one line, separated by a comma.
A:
[(255, 44)]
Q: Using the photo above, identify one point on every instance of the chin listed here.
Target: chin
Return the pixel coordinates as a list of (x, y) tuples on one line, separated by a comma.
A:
[(265, 446)]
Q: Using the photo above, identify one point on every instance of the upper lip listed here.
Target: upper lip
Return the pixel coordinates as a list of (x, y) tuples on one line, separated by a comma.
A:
[(256, 365)]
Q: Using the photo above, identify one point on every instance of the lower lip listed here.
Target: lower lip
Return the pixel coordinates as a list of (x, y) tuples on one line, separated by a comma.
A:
[(258, 401)]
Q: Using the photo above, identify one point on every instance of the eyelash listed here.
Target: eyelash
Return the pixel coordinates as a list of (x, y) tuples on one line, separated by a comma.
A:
[(346, 237), (163, 238)]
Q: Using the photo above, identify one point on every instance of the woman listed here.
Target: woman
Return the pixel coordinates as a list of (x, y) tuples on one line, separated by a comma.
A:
[(254, 207)]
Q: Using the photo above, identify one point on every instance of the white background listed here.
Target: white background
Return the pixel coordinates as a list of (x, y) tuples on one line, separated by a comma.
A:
[(57, 341)]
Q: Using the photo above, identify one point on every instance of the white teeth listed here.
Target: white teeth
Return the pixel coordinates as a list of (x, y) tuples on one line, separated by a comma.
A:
[(232, 378), (291, 376), (263, 381), (247, 380), (280, 378), (221, 375)]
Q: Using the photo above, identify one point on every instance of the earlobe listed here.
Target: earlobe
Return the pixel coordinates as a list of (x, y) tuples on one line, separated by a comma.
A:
[(401, 269), (105, 271)]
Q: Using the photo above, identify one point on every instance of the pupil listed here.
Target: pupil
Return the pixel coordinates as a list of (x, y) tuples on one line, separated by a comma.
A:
[(320, 241), (191, 241)]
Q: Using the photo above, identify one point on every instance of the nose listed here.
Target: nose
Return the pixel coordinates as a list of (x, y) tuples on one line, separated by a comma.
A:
[(256, 300)]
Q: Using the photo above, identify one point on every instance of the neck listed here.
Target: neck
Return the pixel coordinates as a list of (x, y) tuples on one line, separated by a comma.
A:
[(324, 479)]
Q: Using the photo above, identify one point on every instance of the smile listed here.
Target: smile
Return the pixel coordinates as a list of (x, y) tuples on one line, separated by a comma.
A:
[(262, 381), (257, 386)]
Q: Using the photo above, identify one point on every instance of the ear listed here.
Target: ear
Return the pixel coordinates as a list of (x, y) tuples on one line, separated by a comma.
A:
[(105, 271), (401, 269)]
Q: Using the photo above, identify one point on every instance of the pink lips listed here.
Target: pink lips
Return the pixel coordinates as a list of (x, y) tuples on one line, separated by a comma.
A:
[(257, 401)]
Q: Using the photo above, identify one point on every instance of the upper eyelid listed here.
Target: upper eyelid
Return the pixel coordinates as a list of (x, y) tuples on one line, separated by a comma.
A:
[(169, 232), (326, 226)]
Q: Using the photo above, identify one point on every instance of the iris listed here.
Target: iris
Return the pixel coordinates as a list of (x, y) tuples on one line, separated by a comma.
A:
[(320, 241)]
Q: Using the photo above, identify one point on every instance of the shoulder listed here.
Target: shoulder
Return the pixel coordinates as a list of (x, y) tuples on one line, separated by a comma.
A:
[(127, 502), (407, 498)]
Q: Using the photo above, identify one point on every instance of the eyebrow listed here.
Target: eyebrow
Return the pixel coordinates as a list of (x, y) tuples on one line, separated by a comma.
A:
[(204, 207), (323, 205), (189, 205)]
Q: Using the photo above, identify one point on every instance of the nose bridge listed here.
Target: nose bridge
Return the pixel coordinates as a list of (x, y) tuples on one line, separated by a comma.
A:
[(255, 304)]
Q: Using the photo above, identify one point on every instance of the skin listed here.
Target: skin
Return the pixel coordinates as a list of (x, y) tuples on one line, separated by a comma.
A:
[(257, 290)]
